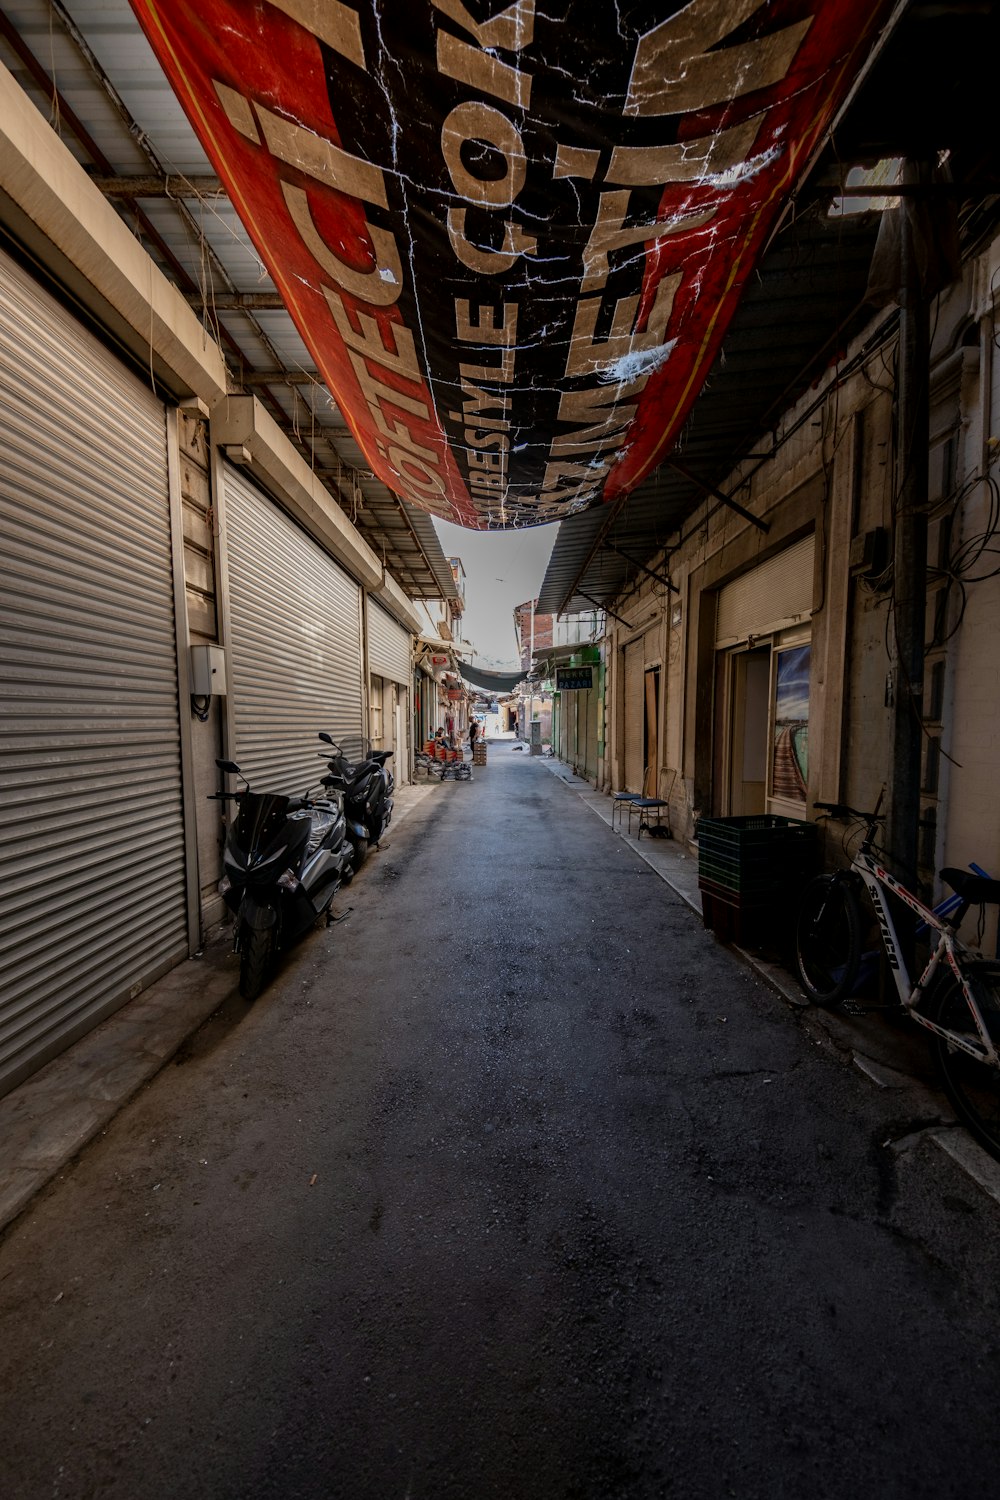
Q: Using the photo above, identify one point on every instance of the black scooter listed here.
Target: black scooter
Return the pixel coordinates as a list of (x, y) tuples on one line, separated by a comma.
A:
[(367, 788), (285, 859)]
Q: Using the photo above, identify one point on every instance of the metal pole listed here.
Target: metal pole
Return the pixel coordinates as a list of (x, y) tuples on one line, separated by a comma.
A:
[(909, 604), (531, 668)]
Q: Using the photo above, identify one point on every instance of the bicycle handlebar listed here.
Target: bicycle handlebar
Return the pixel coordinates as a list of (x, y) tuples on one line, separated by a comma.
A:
[(841, 810)]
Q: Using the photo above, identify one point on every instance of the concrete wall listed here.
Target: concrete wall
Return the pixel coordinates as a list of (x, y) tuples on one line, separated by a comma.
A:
[(832, 473)]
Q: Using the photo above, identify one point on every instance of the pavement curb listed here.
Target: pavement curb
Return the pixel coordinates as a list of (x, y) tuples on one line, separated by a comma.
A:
[(47, 1120)]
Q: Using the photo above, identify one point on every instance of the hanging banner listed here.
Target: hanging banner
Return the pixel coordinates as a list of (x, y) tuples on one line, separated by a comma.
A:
[(511, 237)]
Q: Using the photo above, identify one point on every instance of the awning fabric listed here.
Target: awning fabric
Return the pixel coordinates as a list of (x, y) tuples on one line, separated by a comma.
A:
[(512, 245), (490, 682)]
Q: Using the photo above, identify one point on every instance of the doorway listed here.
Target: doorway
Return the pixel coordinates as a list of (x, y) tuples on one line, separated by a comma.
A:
[(750, 693)]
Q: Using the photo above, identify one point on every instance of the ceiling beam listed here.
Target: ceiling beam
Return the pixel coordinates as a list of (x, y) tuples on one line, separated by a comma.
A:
[(156, 186), (237, 302), (276, 377)]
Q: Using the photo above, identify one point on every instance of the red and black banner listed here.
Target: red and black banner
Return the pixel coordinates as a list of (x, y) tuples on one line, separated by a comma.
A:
[(512, 237)]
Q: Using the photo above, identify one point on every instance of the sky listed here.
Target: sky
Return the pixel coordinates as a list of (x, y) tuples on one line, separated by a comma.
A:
[(502, 569)]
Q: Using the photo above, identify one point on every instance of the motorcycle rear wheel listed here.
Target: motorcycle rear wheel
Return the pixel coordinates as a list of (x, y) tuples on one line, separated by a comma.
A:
[(360, 854), (255, 956)]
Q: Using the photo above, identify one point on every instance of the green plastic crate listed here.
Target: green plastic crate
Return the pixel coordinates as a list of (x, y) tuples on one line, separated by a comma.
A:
[(759, 854)]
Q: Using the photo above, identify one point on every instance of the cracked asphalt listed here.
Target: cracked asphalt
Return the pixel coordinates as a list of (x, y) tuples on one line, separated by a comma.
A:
[(512, 1184)]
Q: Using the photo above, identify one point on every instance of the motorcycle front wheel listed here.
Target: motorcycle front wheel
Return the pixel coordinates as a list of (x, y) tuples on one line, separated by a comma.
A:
[(255, 956)]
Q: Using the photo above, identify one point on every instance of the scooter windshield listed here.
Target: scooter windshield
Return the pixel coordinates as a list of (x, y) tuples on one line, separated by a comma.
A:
[(261, 819)]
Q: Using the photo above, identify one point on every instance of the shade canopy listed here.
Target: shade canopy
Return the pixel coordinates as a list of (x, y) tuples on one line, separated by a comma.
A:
[(512, 246)]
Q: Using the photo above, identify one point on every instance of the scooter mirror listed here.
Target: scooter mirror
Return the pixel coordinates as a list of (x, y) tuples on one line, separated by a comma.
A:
[(228, 765), (324, 736)]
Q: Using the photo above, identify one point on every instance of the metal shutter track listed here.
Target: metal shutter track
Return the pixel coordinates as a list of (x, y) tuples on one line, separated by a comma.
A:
[(770, 597), (295, 622), (90, 791), (389, 650)]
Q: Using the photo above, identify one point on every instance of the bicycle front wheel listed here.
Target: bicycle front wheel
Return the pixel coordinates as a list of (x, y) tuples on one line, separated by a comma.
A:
[(828, 939), (972, 1086)]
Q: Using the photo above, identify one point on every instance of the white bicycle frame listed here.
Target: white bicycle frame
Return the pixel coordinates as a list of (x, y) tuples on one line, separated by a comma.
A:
[(876, 878)]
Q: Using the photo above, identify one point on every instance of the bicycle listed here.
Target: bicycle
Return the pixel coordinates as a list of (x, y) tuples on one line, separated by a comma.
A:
[(956, 996)]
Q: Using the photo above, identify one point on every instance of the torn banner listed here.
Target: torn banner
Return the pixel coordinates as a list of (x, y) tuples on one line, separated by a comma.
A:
[(511, 237)]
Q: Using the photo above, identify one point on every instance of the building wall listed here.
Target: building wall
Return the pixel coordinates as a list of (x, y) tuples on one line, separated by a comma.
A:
[(832, 474)]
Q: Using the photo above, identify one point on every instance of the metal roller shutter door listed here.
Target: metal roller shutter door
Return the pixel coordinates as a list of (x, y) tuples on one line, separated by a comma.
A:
[(776, 594), (92, 871), (635, 715), (389, 650), (295, 625), (589, 709)]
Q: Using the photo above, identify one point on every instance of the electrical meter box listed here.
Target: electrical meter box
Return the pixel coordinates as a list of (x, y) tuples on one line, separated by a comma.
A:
[(208, 672)]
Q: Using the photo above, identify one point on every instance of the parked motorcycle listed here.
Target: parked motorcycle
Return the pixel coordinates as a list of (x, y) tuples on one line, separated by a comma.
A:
[(284, 861), (367, 786)]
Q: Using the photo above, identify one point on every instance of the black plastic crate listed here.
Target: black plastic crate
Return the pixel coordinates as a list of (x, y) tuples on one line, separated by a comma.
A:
[(756, 854), (758, 925)]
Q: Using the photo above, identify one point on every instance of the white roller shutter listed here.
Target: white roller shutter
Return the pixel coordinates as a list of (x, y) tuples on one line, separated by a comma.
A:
[(92, 872), (773, 596), (295, 626), (389, 650)]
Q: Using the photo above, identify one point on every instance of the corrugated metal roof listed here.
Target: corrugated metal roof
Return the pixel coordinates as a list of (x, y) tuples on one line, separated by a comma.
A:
[(90, 72)]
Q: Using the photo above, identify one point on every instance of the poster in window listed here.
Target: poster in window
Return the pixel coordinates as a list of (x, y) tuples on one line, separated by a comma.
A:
[(790, 764)]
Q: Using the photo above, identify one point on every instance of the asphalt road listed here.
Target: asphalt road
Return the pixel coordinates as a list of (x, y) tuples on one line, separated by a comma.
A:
[(513, 1184)]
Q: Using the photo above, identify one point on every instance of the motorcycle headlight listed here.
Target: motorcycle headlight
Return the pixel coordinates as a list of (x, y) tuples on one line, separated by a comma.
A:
[(225, 886)]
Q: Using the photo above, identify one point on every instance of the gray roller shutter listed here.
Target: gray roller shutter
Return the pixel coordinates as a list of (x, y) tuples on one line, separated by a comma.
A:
[(389, 651), (773, 596), (295, 627), (92, 877), (635, 715)]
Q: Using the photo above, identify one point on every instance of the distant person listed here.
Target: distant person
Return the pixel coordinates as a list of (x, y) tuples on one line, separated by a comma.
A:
[(473, 735)]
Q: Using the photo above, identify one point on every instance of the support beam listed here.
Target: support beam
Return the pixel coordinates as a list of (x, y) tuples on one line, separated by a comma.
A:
[(709, 489), (159, 187), (909, 600), (650, 572), (251, 378), (603, 608), (237, 302)]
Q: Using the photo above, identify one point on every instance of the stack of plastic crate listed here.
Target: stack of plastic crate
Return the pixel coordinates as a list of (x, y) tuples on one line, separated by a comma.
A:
[(749, 871)]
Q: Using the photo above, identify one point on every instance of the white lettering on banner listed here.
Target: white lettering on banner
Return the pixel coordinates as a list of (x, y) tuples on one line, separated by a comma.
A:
[(609, 233), (589, 355), (380, 286), (676, 72), (480, 122), (511, 29), (481, 70), (479, 258), (684, 161), (314, 156), (485, 330), (487, 443), (330, 22), (368, 343)]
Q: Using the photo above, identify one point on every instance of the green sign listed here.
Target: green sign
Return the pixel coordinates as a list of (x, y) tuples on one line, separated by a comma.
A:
[(574, 677)]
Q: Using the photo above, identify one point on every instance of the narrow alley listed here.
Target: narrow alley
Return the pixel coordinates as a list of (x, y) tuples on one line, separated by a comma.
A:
[(514, 1183)]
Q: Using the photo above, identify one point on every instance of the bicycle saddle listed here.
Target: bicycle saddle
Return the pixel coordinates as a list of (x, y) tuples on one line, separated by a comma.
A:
[(973, 888)]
